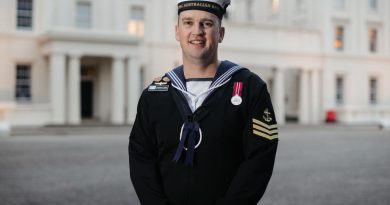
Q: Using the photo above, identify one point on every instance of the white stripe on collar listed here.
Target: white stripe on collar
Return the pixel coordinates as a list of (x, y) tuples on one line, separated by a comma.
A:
[(178, 84), (225, 76), (176, 80)]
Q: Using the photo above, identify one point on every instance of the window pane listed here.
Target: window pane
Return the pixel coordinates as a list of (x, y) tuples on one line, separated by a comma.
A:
[(300, 5), (137, 13), (135, 25), (226, 16), (373, 91), (275, 5), (373, 4), (339, 90), (23, 83), (24, 4), (83, 15), (339, 4), (24, 14), (339, 38), (373, 36), (249, 10)]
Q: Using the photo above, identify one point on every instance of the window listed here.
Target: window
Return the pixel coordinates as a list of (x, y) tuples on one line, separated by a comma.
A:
[(373, 4), (226, 16), (275, 4), (24, 14), (136, 24), (339, 4), (339, 38), (23, 83), (339, 90), (83, 14), (373, 91), (270, 86), (300, 5), (142, 79), (373, 40), (249, 10)]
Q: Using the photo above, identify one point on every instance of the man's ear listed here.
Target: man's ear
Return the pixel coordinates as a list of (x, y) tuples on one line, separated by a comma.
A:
[(221, 34), (177, 36)]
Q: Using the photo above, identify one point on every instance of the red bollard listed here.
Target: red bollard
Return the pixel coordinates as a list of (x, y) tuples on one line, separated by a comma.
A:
[(331, 116)]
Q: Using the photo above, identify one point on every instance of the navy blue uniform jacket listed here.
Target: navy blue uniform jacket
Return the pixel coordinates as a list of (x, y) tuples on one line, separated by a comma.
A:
[(234, 162)]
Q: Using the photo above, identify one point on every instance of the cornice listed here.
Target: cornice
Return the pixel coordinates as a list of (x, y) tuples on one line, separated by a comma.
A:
[(89, 36)]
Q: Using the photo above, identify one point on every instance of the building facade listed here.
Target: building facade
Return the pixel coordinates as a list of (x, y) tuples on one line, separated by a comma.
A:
[(68, 62)]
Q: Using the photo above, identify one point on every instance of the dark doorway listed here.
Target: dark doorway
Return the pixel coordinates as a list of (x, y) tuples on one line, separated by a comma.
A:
[(86, 99)]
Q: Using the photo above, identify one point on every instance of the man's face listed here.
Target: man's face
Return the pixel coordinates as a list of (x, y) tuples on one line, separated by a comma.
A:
[(199, 33)]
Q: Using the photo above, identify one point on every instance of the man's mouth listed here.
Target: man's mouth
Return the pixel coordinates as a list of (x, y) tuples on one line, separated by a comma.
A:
[(197, 42)]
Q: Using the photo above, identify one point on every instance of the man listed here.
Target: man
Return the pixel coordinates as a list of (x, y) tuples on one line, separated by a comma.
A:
[(205, 132)]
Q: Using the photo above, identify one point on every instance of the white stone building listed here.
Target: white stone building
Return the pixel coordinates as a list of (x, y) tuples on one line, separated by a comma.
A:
[(70, 61)]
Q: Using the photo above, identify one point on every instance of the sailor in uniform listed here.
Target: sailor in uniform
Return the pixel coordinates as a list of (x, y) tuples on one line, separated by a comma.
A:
[(205, 132)]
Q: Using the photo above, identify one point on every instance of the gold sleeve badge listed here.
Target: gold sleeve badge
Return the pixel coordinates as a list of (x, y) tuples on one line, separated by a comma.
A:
[(264, 129)]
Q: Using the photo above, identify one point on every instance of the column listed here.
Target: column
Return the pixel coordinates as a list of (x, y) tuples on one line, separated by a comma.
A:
[(279, 105), (134, 83), (304, 97), (315, 96), (117, 91), (74, 90), (57, 87)]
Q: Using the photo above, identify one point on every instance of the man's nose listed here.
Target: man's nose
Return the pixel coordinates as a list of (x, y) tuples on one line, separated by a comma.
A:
[(198, 29)]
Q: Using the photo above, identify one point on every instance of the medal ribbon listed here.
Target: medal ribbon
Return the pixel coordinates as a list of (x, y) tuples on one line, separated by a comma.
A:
[(237, 89)]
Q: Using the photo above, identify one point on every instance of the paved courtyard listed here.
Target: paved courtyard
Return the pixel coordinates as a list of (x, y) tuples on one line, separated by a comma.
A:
[(324, 165)]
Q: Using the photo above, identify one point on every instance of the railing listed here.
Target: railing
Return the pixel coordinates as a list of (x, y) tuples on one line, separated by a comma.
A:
[(364, 114), (8, 96)]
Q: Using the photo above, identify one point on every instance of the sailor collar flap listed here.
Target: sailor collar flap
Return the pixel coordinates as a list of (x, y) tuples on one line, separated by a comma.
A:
[(225, 70)]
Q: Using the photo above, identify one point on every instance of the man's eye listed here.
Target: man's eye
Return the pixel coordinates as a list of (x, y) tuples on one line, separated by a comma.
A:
[(187, 23), (208, 24)]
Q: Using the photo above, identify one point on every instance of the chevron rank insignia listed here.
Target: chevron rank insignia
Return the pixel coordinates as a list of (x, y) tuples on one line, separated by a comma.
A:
[(268, 131)]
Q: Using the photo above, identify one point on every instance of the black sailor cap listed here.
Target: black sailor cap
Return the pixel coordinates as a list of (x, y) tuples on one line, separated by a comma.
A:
[(217, 7)]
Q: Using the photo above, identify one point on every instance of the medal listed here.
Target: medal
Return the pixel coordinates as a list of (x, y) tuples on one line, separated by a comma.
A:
[(237, 92), (166, 79), (236, 100)]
